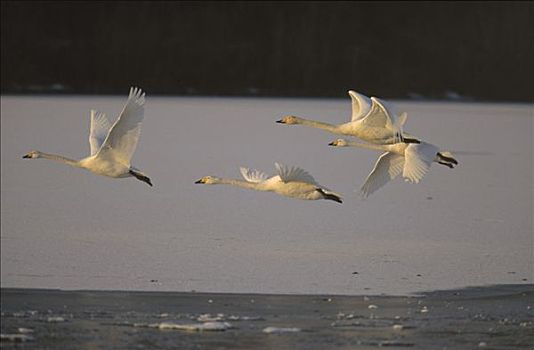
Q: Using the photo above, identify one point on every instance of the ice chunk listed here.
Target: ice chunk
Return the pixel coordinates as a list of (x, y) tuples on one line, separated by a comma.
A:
[(279, 330), (197, 327)]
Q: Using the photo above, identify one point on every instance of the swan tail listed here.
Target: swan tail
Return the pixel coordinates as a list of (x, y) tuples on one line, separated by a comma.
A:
[(141, 177)]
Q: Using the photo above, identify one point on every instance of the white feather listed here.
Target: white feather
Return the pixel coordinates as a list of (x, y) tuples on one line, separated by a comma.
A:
[(388, 166), (124, 134), (361, 105), (98, 130), (418, 157), (253, 175), (294, 174)]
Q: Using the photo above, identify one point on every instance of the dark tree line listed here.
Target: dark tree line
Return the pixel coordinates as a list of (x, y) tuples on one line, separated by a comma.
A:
[(483, 50)]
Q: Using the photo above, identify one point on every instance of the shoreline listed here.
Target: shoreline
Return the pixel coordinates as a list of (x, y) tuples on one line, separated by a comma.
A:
[(468, 289), (497, 317)]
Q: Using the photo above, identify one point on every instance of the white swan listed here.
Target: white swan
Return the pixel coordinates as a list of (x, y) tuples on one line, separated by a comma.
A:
[(413, 160), (290, 182), (111, 147), (372, 120)]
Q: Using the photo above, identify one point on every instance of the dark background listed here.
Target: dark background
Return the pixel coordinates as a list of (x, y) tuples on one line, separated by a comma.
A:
[(473, 50)]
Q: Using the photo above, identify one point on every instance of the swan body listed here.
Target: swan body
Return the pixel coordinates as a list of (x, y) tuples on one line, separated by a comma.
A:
[(111, 147), (413, 160), (291, 182), (372, 120)]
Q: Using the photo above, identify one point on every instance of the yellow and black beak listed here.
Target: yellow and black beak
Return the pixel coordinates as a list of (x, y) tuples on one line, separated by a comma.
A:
[(201, 181)]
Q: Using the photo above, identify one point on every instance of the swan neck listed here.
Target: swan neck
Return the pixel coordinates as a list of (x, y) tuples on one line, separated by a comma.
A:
[(320, 125), (367, 145), (60, 159), (239, 183)]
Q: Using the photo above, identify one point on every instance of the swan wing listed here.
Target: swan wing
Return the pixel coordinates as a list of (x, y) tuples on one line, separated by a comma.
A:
[(361, 105), (383, 115), (98, 130), (379, 115), (288, 174), (402, 118), (419, 157), (388, 166), (124, 134), (253, 175)]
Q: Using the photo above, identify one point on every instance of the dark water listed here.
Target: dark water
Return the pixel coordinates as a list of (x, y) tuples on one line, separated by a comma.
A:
[(497, 317)]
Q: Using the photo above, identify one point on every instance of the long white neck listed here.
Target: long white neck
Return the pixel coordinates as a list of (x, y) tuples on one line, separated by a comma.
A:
[(60, 159), (367, 145), (320, 125), (240, 183)]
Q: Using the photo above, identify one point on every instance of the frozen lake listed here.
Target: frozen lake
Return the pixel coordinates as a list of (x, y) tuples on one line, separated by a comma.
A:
[(67, 228)]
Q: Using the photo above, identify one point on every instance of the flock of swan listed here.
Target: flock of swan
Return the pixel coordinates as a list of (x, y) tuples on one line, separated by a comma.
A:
[(373, 120)]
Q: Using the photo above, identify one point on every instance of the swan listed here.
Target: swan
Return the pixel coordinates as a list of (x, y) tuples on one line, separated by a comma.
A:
[(413, 160), (111, 147), (372, 120), (289, 181)]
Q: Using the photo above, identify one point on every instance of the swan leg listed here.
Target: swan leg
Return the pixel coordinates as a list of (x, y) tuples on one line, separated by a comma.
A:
[(329, 196), (408, 140), (446, 164), (141, 177), (447, 159)]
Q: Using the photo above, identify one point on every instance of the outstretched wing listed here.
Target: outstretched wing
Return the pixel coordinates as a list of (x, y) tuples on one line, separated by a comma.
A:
[(379, 116), (388, 166), (123, 136), (252, 175), (402, 118), (419, 157), (288, 174), (361, 105), (98, 130), (383, 116)]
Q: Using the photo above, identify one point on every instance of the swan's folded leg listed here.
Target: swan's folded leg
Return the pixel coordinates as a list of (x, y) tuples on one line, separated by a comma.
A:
[(141, 177), (447, 157), (409, 140), (329, 195), (446, 164)]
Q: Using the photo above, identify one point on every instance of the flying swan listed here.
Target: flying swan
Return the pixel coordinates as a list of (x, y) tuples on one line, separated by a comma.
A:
[(413, 160), (372, 120), (111, 147), (290, 182)]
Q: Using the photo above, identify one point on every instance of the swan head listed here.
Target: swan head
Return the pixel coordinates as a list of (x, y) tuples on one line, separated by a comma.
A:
[(32, 155), (208, 180), (339, 143), (289, 119)]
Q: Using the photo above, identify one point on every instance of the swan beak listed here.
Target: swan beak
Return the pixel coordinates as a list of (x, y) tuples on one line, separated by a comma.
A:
[(333, 143), (199, 181), (26, 156), (280, 121)]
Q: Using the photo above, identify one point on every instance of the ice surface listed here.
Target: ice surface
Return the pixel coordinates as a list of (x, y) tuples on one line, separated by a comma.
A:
[(66, 228), (16, 338)]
